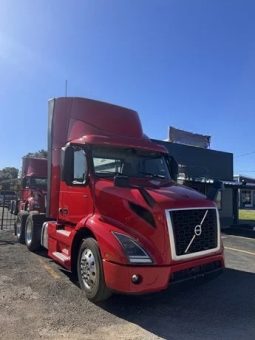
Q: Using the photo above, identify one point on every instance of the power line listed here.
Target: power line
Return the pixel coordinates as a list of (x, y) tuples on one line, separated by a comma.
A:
[(245, 154), (245, 170)]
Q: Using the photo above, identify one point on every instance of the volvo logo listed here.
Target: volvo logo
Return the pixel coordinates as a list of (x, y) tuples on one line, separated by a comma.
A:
[(198, 230)]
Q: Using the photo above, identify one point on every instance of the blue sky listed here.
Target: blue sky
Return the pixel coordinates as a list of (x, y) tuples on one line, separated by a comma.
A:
[(185, 63)]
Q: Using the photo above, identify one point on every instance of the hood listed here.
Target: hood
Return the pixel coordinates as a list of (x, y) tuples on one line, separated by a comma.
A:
[(178, 196), (141, 213)]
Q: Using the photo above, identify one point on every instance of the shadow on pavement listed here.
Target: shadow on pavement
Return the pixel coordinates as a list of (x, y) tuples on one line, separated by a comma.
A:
[(71, 276), (7, 238), (219, 309), (6, 243), (240, 230)]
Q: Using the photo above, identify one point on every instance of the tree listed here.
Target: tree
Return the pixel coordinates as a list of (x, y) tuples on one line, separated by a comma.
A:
[(38, 154), (8, 173), (8, 178)]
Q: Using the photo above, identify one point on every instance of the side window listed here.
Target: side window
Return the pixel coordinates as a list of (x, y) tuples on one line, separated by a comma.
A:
[(156, 166), (107, 165), (24, 183), (80, 167)]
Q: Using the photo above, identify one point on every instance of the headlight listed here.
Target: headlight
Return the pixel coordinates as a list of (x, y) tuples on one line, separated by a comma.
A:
[(134, 252)]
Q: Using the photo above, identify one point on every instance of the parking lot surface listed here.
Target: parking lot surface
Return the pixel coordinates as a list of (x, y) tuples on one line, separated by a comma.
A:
[(40, 300)]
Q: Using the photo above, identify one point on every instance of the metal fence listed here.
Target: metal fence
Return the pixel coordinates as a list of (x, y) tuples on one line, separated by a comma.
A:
[(7, 216)]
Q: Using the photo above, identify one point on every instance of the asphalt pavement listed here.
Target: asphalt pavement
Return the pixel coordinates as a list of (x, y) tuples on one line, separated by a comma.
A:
[(40, 300)]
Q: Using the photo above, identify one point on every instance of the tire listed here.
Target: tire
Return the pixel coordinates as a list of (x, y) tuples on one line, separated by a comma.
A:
[(16, 207), (20, 226), (33, 230), (90, 271)]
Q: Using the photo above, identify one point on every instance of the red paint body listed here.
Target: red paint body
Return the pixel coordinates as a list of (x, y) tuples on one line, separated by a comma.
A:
[(34, 184), (99, 208)]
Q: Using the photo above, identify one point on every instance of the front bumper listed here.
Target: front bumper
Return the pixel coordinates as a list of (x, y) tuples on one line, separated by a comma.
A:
[(156, 278)]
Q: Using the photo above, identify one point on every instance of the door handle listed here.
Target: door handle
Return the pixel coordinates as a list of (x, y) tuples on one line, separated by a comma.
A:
[(63, 211)]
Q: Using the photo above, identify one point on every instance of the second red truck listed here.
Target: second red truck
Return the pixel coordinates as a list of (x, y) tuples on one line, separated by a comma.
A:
[(32, 195)]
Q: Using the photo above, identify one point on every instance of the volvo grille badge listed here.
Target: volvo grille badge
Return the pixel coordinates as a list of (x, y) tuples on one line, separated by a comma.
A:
[(197, 232)]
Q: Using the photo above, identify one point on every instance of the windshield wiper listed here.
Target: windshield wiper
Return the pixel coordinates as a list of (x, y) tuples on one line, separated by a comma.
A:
[(149, 174)]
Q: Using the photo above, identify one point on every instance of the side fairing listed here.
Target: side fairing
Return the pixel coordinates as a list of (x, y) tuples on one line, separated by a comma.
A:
[(73, 118)]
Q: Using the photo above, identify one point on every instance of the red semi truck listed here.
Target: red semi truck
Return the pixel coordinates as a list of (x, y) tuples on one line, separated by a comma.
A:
[(34, 184), (32, 196), (115, 215)]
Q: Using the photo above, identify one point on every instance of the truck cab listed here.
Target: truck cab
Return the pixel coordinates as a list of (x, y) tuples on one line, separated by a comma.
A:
[(33, 185), (115, 215)]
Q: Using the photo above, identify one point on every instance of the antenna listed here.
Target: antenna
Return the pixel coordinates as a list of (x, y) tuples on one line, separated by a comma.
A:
[(66, 88)]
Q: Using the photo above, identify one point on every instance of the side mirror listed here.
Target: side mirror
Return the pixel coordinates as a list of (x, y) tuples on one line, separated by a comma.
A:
[(212, 192), (121, 181), (67, 158), (173, 167)]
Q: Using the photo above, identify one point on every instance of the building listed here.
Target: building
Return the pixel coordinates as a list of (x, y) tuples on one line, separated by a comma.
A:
[(200, 168), (246, 193)]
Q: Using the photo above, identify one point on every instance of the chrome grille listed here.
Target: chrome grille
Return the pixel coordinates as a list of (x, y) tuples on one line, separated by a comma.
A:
[(194, 230)]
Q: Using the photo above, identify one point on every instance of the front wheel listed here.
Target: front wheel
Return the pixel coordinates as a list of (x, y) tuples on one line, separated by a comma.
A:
[(90, 271)]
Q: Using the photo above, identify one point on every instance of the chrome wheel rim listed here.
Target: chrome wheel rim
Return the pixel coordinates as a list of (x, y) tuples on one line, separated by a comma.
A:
[(18, 228), (28, 233), (88, 268)]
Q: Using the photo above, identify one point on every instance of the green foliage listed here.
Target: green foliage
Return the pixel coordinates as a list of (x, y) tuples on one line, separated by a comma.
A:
[(8, 173), (39, 154), (8, 178)]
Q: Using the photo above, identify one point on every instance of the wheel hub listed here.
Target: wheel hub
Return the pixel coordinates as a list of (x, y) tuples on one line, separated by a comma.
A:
[(28, 233), (18, 228), (88, 268)]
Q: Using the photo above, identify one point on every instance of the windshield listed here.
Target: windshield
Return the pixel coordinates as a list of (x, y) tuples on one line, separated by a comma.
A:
[(35, 182), (39, 182), (129, 162)]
